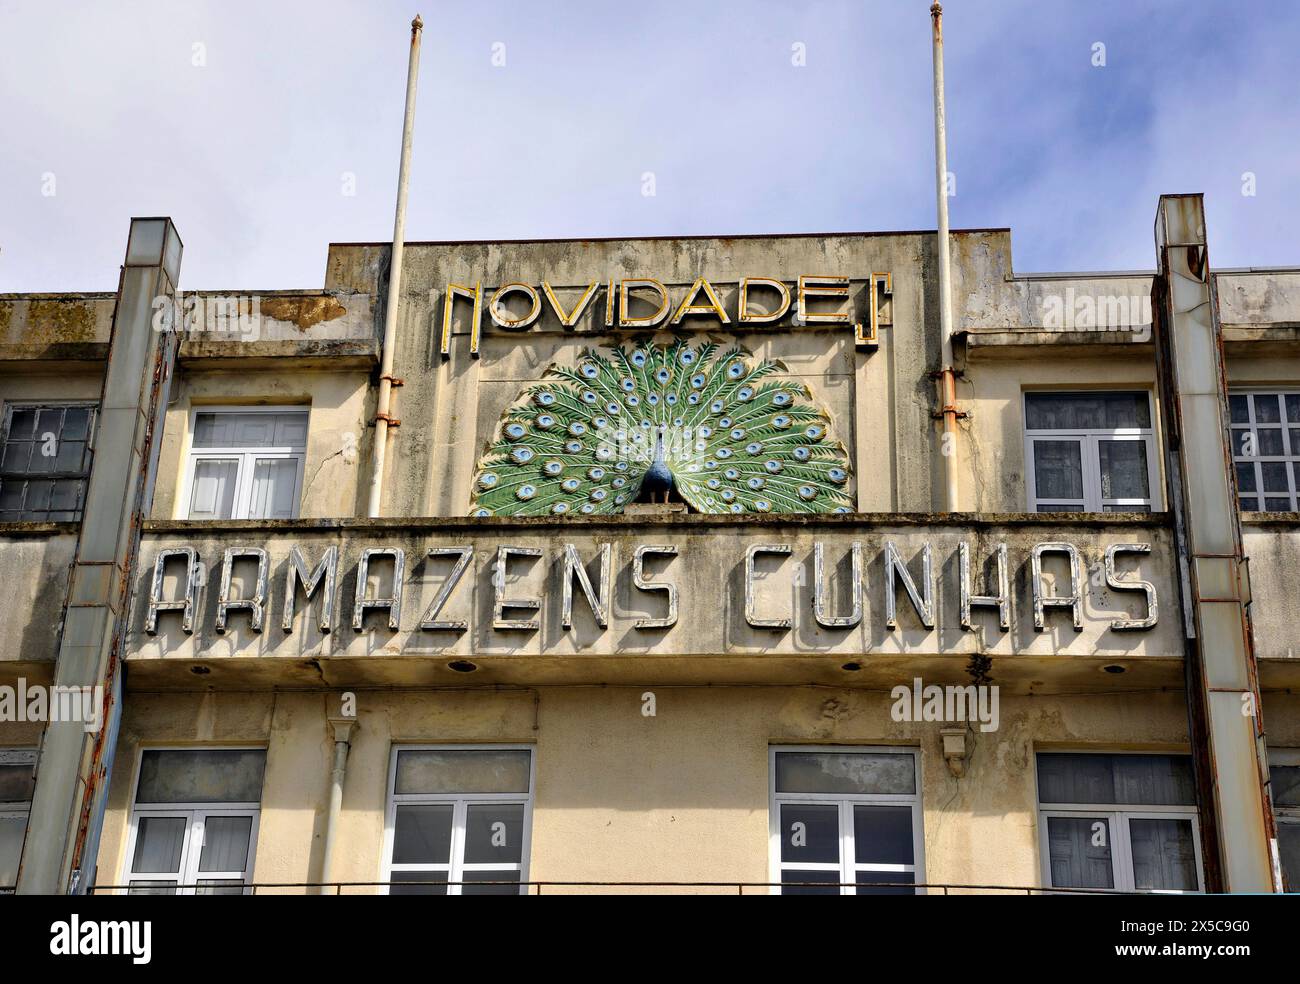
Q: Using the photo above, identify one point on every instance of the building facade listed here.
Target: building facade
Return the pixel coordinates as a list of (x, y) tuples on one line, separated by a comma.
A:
[(662, 594)]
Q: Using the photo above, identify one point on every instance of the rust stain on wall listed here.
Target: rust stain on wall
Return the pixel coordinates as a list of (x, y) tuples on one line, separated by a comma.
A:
[(302, 311)]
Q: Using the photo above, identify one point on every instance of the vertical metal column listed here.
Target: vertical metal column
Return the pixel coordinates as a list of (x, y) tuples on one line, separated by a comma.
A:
[(72, 770), (1222, 685)]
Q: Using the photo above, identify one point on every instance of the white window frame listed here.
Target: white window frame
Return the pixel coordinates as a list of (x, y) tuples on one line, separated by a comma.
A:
[(1090, 440), (1289, 815), (1117, 816), (195, 815), (244, 455), (460, 802), (16, 809), (848, 868), (1290, 452)]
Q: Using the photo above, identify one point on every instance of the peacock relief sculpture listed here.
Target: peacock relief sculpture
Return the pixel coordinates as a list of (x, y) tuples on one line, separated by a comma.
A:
[(644, 421)]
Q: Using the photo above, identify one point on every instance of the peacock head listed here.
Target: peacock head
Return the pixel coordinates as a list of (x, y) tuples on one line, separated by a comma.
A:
[(658, 479)]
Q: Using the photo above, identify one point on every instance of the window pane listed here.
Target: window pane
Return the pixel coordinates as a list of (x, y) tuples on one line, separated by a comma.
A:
[(213, 495), (1274, 475), (1277, 505), (1058, 469), (456, 771), (1090, 411), (1130, 780), (830, 879), (226, 429), (76, 423), (210, 775), (1285, 781), (219, 886), (1246, 477), (883, 835), (22, 424), (1238, 408), (158, 844), (494, 834), (291, 430), (1064, 411), (1268, 442), (17, 782), (152, 888), (422, 834), (1288, 846), (401, 877), (1123, 469), (810, 833), (1293, 408), (1060, 507), (225, 843), (1079, 852), (903, 879), (37, 503), (1164, 854), (70, 456), (491, 876), (1154, 780), (883, 773), (1267, 408), (273, 487), (1249, 504), (16, 456), (12, 829)]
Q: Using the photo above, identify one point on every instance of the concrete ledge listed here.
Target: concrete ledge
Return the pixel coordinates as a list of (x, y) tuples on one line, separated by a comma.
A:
[(361, 353), (586, 525), (1023, 343)]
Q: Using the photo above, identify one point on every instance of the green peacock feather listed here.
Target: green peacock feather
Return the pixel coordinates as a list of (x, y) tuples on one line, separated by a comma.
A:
[(591, 438)]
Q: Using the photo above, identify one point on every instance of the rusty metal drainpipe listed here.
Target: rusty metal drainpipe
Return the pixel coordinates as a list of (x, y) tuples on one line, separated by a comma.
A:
[(382, 417), (342, 729), (947, 377)]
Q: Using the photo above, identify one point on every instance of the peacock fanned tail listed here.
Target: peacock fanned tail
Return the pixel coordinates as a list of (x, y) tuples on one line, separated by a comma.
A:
[(711, 424)]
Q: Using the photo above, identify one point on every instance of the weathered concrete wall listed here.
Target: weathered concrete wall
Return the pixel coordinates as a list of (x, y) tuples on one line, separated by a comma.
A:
[(242, 325), (1259, 298), (682, 796), (36, 559), (55, 326), (1273, 546)]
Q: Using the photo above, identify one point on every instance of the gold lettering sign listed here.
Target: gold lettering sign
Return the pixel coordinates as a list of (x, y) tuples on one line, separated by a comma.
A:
[(809, 300)]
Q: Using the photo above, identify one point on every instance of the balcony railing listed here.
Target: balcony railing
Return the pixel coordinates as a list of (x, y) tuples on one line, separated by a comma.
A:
[(542, 887)]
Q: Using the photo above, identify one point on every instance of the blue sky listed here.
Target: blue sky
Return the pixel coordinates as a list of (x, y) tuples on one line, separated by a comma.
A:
[(249, 151)]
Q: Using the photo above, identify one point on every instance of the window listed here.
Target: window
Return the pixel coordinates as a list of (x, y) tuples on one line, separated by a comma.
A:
[(1090, 452), (46, 461), (1124, 822), (1284, 778), (17, 783), (1266, 449), (246, 464), (459, 818), (194, 822), (846, 820)]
